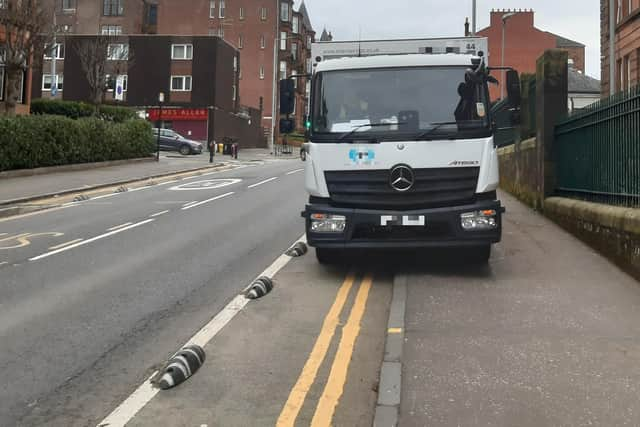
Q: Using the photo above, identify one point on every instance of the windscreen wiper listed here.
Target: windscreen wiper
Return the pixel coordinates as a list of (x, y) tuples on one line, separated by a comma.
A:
[(373, 125), (435, 127)]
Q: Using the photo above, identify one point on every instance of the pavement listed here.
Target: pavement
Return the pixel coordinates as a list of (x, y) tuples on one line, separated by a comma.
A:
[(96, 296), (28, 187)]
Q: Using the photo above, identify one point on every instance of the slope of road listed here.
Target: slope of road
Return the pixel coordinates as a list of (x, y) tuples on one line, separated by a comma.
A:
[(93, 296)]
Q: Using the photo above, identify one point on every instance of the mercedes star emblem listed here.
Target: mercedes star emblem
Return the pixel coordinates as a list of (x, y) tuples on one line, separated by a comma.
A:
[(401, 178)]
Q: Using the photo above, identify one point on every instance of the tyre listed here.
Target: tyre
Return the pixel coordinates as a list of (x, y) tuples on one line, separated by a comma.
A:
[(328, 256), (481, 254), (185, 150)]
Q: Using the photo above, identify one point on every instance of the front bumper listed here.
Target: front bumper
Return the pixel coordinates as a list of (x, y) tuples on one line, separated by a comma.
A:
[(442, 228)]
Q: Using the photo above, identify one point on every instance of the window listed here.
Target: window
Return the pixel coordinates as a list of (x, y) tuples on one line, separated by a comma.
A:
[(295, 25), (638, 66), (262, 42), (181, 83), (212, 9), (68, 5), (118, 52), (57, 52), (235, 64), (1, 79), (283, 40), (213, 32), (221, 32), (284, 11), (48, 82), (111, 82), (111, 30), (234, 94), (309, 66), (283, 70), (113, 7), (309, 42), (263, 13), (3, 5), (241, 13), (222, 9), (262, 72), (182, 51), (294, 51), (627, 72), (240, 41)]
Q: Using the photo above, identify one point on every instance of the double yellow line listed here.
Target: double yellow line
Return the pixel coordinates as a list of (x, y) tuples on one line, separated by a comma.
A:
[(335, 384)]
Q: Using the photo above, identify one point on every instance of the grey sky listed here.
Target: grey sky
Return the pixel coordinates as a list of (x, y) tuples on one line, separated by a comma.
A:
[(578, 20)]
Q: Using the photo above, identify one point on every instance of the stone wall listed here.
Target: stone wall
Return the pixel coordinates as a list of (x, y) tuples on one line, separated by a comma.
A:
[(519, 171), (612, 230)]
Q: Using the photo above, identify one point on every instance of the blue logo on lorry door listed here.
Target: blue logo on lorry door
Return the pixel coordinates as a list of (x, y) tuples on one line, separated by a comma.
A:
[(360, 156)]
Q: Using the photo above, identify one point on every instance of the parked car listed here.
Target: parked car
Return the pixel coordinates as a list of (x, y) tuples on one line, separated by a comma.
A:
[(173, 141)]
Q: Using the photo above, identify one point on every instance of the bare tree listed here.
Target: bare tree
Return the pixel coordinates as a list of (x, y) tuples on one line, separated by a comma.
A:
[(27, 27), (101, 56)]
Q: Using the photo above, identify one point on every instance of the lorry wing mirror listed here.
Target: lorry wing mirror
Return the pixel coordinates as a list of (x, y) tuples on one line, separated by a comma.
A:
[(513, 88), (287, 96)]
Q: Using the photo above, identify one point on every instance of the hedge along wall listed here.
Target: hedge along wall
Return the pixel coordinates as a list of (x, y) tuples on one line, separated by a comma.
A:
[(76, 110), (38, 141)]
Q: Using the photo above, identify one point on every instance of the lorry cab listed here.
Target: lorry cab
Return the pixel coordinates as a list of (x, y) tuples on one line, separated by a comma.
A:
[(401, 155)]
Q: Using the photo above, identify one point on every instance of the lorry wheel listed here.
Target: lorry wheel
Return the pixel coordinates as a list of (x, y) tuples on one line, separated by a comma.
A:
[(481, 254), (328, 256)]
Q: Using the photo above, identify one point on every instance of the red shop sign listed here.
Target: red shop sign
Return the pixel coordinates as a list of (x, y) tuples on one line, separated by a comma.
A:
[(178, 114)]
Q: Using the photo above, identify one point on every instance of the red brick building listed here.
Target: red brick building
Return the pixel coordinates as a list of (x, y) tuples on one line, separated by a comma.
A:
[(627, 44), (524, 43), (24, 96), (253, 27)]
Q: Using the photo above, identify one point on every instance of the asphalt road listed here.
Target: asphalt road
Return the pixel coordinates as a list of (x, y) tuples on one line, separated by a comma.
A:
[(94, 295)]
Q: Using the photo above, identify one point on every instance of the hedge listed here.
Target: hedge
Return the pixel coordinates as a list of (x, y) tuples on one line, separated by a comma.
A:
[(76, 110), (40, 140)]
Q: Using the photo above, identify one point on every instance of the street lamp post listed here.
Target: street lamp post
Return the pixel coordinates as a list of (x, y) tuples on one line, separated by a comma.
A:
[(505, 17), (160, 102)]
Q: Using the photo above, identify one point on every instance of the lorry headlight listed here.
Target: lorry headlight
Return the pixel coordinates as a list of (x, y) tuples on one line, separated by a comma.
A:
[(327, 223), (479, 220)]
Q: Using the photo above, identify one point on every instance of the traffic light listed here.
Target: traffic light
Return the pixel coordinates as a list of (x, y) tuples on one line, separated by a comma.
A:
[(307, 122), (287, 96), (287, 125)]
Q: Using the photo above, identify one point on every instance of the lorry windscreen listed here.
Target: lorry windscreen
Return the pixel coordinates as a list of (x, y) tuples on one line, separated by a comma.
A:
[(395, 103)]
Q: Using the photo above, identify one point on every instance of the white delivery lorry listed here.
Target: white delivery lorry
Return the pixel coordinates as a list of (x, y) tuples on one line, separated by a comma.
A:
[(400, 150)]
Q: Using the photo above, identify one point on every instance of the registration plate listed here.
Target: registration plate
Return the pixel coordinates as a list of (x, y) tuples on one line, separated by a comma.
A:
[(403, 220)]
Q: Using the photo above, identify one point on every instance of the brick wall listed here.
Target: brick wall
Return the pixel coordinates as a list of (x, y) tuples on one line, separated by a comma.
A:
[(524, 44), (627, 40)]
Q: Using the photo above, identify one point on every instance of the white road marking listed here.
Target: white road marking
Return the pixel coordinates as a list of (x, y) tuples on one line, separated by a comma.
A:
[(3, 234), (146, 187), (207, 201), (3, 263), (105, 196), (120, 226), (169, 182), (86, 242), (190, 203), (263, 182), (160, 213), (295, 171), (62, 245), (146, 391), (209, 184)]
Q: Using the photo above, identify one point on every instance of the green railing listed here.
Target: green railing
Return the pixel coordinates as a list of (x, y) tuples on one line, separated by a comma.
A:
[(597, 151)]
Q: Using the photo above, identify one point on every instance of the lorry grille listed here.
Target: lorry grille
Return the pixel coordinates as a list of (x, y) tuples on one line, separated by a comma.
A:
[(437, 187)]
